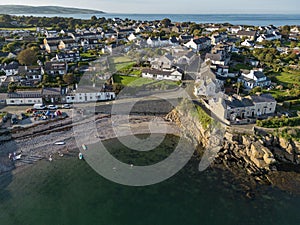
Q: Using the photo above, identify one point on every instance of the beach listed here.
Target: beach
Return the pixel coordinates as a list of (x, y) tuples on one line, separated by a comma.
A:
[(38, 142)]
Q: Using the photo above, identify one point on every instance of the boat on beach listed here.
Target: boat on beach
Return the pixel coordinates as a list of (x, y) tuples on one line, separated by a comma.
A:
[(84, 147), (60, 143), (80, 156)]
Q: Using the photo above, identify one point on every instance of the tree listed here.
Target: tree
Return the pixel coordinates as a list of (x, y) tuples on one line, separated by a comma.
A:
[(27, 57), (166, 22), (255, 90), (294, 44), (197, 33), (69, 78), (93, 18)]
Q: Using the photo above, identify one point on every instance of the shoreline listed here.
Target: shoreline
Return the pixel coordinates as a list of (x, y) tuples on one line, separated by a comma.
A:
[(40, 145)]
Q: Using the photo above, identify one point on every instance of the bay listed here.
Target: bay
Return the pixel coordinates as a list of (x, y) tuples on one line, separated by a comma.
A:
[(67, 191)]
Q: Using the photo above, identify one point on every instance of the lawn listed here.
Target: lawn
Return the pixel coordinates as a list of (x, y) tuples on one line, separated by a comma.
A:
[(87, 55), (120, 62), (286, 78), (134, 81), (240, 66)]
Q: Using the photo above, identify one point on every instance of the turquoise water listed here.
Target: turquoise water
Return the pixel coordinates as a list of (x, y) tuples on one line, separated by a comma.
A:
[(68, 192)]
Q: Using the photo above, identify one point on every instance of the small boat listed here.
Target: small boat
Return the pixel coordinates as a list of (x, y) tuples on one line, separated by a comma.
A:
[(60, 143), (17, 157), (80, 156), (84, 147)]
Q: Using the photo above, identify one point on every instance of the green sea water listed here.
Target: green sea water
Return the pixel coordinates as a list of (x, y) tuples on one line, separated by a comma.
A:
[(68, 192)]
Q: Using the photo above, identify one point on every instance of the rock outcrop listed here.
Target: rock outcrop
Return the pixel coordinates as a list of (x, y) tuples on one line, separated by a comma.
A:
[(256, 152)]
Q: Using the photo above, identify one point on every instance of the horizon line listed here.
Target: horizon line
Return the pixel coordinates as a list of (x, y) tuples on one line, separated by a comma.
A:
[(296, 12)]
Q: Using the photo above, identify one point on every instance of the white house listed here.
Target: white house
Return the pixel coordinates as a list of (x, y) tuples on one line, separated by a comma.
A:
[(55, 68), (235, 29), (248, 43), (269, 37), (175, 74), (205, 88), (254, 78), (29, 97), (235, 109), (68, 57), (163, 62), (132, 37), (90, 94), (10, 69), (157, 42), (216, 59), (199, 44), (206, 83)]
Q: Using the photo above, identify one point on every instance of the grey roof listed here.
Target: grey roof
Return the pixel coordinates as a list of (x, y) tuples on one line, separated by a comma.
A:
[(239, 103), (214, 57), (25, 94), (11, 66), (246, 33), (68, 55), (262, 98), (259, 74), (51, 91), (201, 40), (55, 66)]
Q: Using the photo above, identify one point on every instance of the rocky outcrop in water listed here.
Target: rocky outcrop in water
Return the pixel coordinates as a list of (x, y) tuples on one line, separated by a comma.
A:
[(254, 152)]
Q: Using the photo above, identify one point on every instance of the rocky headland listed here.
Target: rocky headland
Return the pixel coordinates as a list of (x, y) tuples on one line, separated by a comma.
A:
[(254, 155)]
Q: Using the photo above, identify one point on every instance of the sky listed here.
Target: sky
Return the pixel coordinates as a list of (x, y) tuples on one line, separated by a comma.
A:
[(172, 6)]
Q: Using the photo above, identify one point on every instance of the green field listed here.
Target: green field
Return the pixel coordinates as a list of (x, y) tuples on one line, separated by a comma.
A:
[(118, 63), (134, 81), (286, 78)]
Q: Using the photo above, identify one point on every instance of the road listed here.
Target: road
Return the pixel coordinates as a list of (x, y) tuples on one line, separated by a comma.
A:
[(161, 102)]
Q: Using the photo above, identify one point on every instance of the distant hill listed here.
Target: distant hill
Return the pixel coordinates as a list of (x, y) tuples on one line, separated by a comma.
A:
[(23, 9)]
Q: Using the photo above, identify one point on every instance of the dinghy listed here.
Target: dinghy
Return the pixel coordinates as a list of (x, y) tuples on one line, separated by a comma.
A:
[(60, 143), (80, 156)]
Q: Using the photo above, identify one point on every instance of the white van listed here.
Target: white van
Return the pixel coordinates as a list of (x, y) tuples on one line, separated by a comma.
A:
[(39, 106)]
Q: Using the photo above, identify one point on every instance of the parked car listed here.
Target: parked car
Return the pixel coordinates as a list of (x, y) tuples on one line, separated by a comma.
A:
[(52, 107), (39, 106), (66, 106)]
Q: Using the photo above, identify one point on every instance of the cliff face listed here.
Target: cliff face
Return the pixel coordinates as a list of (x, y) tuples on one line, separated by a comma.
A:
[(254, 152)]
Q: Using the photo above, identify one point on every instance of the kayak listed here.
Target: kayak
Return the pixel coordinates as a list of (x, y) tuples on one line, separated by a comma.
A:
[(80, 156), (60, 143), (84, 147)]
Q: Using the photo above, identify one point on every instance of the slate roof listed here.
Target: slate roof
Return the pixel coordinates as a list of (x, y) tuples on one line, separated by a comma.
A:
[(214, 57), (246, 33), (262, 98), (25, 94), (51, 91)]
